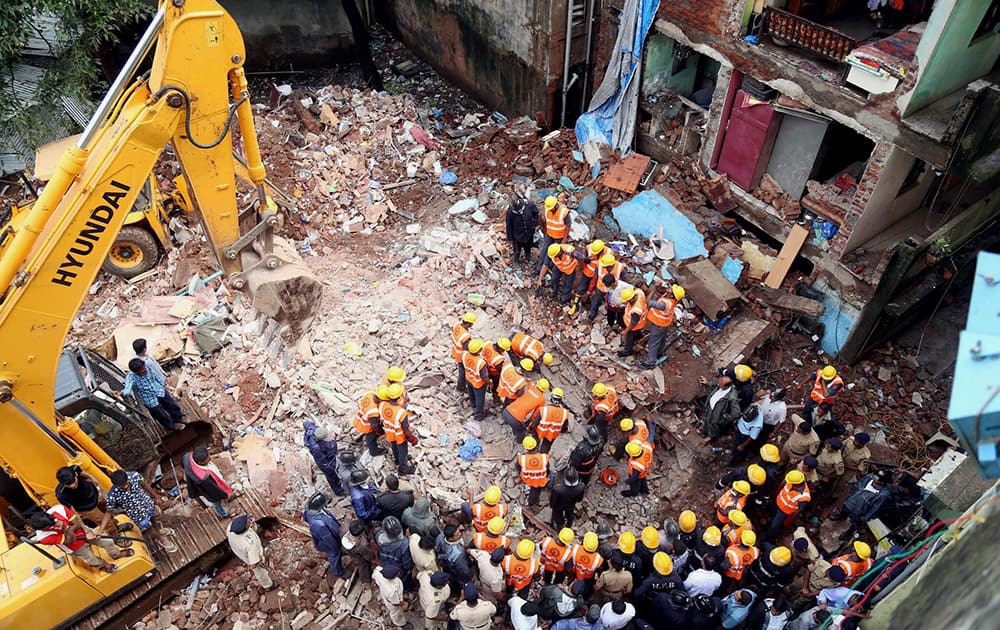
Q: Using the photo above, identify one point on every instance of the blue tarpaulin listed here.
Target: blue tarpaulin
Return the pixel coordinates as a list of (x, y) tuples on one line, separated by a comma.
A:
[(648, 211), (732, 269), (613, 108)]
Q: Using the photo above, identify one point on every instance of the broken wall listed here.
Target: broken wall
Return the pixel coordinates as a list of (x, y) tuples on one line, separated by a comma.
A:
[(508, 53), (294, 32)]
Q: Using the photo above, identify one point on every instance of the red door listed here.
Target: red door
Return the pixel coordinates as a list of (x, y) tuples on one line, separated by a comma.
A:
[(749, 139)]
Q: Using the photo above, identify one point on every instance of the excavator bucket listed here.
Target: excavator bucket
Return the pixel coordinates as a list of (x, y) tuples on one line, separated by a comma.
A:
[(290, 293)]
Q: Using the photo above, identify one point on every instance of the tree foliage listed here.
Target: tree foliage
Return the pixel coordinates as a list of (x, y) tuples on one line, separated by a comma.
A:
[(72, 70)]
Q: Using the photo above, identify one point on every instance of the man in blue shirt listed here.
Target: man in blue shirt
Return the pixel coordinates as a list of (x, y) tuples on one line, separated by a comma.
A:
[(151, 390), (747, 429)]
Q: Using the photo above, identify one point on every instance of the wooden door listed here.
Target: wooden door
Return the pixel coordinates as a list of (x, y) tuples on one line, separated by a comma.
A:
[(749, 138)]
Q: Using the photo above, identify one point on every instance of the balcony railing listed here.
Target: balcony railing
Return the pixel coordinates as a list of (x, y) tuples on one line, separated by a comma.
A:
[(821, 40)]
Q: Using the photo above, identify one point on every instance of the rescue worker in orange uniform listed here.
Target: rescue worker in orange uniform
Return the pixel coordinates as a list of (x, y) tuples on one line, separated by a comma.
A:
[(634, 318), (552, 420), (603, 409), (396, 374), (522, 412), (555, 223), (640, 461), (740, 556), (587, 274), (495, 354), (660, 316), (481, 512), (556, 556), (633, 429), (608, 265), (476, 377), (523, 345), (563, 263), (735, 498), (492, 538), (586, 562), (367, 419), (397, 429), (856, 563), (534, 469), (511, 383), (825, 388), (460, 338), (791, 498), (738, 523), (521, 567)]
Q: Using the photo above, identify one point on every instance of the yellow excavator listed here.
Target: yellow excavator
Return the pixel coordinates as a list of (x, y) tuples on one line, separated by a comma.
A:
[(191, 97)]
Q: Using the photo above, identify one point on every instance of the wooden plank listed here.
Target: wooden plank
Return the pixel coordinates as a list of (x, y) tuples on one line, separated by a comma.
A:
[(537, 522), (789, 302), (796, 238)]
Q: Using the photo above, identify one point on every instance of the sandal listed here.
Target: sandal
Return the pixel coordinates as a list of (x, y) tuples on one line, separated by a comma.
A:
[(110, 568), (168, 546), (126, 553), (166, 531)]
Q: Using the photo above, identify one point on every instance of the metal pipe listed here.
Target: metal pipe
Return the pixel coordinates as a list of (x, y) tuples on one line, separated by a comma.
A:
[(566, 90), (124, 76), (586, 63), (569, 43), (56, 562)]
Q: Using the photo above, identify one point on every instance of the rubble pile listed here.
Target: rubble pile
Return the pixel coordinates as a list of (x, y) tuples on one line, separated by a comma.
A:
[(771, 193)]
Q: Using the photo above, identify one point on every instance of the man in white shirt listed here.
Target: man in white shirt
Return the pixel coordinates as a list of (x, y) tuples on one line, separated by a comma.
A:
[(776, 614), (617, 614), (775, 411), (703, 581), (434, 591), (491, 577), (523, 614), (245, 543), (390, 588)]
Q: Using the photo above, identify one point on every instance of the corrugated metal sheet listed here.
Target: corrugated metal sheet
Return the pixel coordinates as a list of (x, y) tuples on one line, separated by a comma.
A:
[(45, 40)]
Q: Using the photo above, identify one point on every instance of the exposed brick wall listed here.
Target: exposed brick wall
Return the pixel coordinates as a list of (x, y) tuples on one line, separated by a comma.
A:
[(716, 18), (866, 186), (605, 34)]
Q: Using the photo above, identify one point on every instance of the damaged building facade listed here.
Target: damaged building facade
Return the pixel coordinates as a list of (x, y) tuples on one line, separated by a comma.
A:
[(876, 131)]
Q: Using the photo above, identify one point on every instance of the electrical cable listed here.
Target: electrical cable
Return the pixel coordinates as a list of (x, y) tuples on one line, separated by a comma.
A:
[(187, 115)]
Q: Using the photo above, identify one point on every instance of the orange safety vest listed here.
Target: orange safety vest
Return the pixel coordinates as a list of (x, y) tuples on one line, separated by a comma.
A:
[(730, 500), (474, 366), (510, 382), (740, 558), (554, 554), (608, 404), (733, 534), (534, 469), (615, 270), (459, 337), (526, 346), (488, 542), (565, 263), (494, 358), (662, 317), (636, 307), (368, 410), (483, 512), (555, 221), (524, 408), (640, 431), (853, 568), (821, 390), (385, 381), (519, 572), (643, 462), (788, 498), (585, 563), (590, 269), (393, 417), (550, 422)]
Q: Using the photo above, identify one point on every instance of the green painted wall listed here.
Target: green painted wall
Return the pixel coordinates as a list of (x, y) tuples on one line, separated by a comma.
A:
[(947, 56), (661, 69)]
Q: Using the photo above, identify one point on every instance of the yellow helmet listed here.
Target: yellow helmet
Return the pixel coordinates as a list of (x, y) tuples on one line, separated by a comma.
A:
[(829, 372), (748, 538), (599, 390), (738, 517), (557, 392), (678, 292), (529, 443), (862, 549), (743, 373), (504, 343), (634, 448), (756, 474), (495, 525), (542, 384), (627, 294), (794, 477), (626, 542), (712, 535), (590, 541), (770, 453), (742, 487), (492, 496), (469, 317), (527, 364), (650, 537), (553, 250), (663, 563), (596, 246), (547, 358), (627, 424), (607, 260), (395, 374), (525, 548), (780, 556), (395, 391), (687, 521), (475, 345), (382, 392), (550, 202), (566, 535)]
